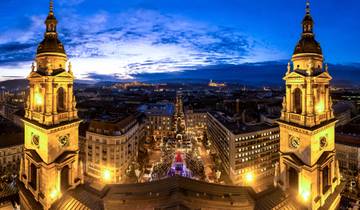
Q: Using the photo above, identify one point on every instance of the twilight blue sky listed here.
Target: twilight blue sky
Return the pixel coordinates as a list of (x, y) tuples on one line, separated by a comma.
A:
[(125, 38)]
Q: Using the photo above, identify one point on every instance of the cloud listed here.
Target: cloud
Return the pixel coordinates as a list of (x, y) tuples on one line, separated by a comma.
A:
[(135, 42), (70, 2)]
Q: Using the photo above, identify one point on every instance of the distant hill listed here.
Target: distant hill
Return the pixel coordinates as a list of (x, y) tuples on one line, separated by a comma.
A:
[(250, 74), (255, 74), (14, 84), (23, 83)]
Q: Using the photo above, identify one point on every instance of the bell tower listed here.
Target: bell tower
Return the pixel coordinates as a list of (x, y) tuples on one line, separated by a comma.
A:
[(308, 168), (50, 165)]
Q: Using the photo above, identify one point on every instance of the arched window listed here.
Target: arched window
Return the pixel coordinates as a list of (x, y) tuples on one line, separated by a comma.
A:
[(326, 179), (293, 176), (297, 101), (61, 99), (38, 99), (64, 179), (33, 176)]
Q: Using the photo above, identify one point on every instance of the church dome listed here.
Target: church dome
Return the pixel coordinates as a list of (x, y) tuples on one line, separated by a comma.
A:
[(51, 42), (308, 43)]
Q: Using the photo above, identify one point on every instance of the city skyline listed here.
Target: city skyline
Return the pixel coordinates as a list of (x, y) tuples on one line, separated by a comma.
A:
[(192, 143), (146, 40)]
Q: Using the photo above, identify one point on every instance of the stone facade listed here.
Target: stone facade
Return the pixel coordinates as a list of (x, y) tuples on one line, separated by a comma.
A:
[(308, 167), (50, 164), (112, 146)]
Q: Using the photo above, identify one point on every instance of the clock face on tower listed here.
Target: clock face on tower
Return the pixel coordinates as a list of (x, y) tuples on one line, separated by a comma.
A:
[(294, 142), (64, 140), (35, 140), (323, 143)]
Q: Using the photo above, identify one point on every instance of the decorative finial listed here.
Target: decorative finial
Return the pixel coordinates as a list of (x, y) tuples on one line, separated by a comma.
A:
[(51, 7), (33, 67), (49, 69), (288, 68), (326, 67), (70, 67), (307, 6)]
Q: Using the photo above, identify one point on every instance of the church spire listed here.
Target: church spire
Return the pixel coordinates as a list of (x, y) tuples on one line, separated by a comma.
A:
[(308, 7), (308, 22), (51, 21), (50, 54), (51, 7), (307, 43)]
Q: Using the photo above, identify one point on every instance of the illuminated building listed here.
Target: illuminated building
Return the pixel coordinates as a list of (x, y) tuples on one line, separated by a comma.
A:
[(111, 147), (195, 122), (50, 163), (160, 121), (308, 167), (347, 141), (13, 102), (343, 112), (11, 147), (247, 152), (179, 125), (214, 84), (51, 174)]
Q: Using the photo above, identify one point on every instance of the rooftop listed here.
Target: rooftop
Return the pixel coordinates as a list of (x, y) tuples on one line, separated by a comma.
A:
[(117, 127), (163, 109), (10, 134), (236, 126), (349, 134)]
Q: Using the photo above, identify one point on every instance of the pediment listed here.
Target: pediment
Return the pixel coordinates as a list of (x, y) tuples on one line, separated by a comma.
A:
[(34, 74), (293, 75), (324, 75), (64, 74)]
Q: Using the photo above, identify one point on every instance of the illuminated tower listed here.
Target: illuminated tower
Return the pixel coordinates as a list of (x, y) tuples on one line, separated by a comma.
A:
[(308, 168), (179, 114), (50, 164)]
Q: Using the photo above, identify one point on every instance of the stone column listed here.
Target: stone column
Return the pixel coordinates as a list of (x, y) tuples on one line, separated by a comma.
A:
[(26, 171), (321, 182), (37, 180), (288, 98), (43, 95), (332, 168), (326, 98), (70, 98), (55, 98), (32, 98), (310, 99), (48, 99), (58, 179), (303, 99), (71, 174)]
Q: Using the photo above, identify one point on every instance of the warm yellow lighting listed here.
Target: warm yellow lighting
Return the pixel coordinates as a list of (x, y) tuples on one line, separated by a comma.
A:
[(320, 107), (38, 99), (54, 194), (106, 175), (249, 177), (305, 195)]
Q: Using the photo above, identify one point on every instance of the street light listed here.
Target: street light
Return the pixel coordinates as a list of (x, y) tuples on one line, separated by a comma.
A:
[(249, 177), (54, 194), (106, 175), (38, 99), (320, 107), (305, 195)]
